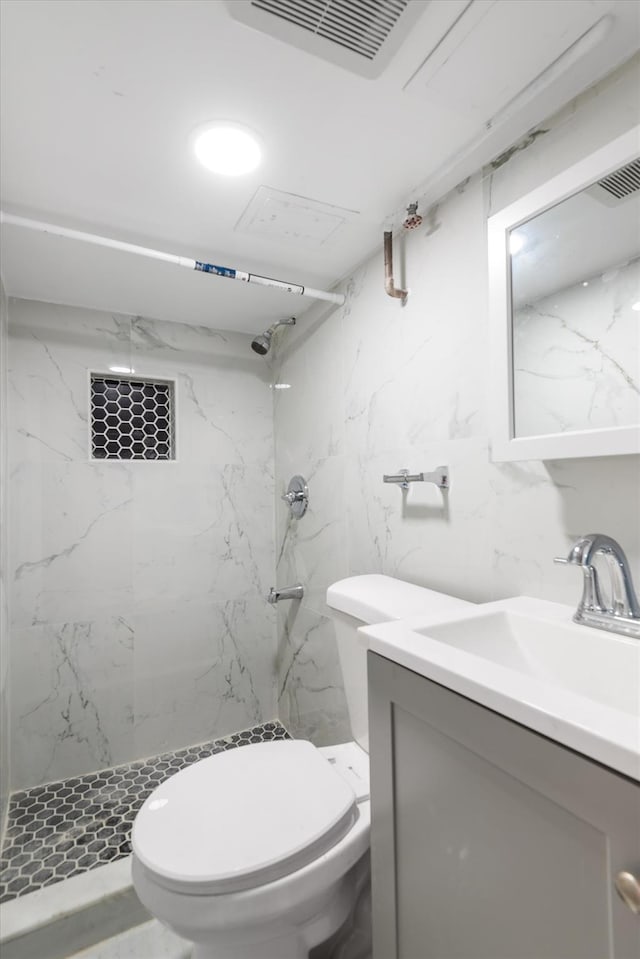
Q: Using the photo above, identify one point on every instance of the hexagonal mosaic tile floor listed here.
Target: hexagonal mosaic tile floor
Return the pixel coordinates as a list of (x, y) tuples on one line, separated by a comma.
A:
[(64, 828)]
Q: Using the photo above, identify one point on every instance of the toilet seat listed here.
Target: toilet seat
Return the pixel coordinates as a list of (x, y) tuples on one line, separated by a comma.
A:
[(243, 818)]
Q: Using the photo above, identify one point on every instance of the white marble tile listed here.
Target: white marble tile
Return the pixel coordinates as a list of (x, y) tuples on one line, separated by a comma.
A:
[(71, 528), (313, 549), (310, 690), (53, 348), (224, 408), (200, 533), (202, 671), (424, 536), (413, 395), (71, 699), (320, 359), (93, 541)]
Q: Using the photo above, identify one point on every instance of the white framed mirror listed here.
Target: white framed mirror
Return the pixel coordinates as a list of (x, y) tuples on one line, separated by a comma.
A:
[(564, 301)]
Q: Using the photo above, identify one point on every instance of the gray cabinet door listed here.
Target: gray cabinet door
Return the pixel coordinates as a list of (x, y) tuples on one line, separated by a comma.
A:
[(490, 841)]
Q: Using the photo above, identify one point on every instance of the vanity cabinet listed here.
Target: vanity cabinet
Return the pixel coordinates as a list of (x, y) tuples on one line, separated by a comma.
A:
[(490, 841)]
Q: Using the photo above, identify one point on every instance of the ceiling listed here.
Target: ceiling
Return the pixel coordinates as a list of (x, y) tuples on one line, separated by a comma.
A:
[(100, 99)]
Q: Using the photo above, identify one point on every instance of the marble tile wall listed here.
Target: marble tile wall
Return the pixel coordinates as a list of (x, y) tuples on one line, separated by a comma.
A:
[(375, 387), (4, 561), (137, 596), (577, 356)]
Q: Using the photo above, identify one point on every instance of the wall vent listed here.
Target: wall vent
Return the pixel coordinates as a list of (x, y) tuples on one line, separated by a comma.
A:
[(131, 418), (361, 35), (623, 181), (616, 187)]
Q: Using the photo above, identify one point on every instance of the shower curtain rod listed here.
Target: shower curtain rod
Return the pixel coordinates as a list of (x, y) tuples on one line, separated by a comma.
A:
[(185, 261)]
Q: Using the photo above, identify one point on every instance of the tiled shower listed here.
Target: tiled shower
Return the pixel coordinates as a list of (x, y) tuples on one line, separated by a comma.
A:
[(141, 530)]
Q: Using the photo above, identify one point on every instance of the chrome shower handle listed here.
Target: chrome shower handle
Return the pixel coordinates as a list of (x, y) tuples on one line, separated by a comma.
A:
[(291, 497), (297, 496)]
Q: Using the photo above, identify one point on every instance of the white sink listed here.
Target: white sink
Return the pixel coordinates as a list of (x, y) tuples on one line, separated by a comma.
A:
[(585, 661), (526, 659)]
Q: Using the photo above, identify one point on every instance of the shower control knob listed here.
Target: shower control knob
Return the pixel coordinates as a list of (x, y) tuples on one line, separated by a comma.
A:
[(292, 497), (297, 496)]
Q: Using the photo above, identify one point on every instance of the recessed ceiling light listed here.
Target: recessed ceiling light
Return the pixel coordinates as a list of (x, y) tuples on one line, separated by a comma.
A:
[(121, 369), (228, 149), (636, 306)]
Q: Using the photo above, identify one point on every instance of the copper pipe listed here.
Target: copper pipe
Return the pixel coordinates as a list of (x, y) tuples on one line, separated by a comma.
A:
[(389, 286)]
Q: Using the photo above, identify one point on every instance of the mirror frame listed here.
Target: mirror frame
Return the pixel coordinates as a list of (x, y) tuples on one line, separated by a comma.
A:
[(505, 446)]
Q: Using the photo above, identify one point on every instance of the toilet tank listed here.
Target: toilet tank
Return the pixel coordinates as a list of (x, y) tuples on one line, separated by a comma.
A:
[(370, 599)]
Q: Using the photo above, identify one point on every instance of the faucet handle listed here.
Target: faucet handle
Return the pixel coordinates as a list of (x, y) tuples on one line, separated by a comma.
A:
[(591, 595)]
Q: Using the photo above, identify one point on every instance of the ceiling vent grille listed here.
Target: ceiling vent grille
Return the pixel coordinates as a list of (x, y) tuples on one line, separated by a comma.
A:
[(360, 35), (623, 182), (361, 26)]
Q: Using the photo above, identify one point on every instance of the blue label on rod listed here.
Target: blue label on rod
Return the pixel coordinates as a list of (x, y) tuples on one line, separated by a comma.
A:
[(218, 270)]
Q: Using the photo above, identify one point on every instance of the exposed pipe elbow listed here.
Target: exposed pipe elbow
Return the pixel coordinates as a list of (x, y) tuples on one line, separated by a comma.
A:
[(390, 288)]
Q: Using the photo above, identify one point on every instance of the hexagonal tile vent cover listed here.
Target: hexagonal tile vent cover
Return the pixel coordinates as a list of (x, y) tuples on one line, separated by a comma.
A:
[(131, 419)]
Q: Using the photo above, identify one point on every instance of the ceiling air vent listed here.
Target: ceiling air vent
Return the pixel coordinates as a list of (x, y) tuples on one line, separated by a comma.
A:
[(361, 35), (616, 187)]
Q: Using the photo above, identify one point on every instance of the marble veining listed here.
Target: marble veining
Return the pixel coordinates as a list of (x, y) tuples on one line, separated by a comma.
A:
[(376, 386), (138, 585)]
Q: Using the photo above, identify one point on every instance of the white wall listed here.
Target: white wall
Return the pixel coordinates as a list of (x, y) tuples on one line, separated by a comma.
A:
[(375, 387), (5, 779), (138, 615)]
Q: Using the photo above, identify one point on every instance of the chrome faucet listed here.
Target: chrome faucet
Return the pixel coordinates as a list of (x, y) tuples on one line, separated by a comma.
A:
[(286, 592), (622, 615)]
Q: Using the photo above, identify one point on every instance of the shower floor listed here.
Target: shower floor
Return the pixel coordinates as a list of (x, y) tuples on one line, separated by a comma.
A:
[(64, 828)]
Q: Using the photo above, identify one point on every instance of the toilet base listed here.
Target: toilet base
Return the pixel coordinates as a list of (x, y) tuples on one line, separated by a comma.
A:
[(282, 939), (295, 942)]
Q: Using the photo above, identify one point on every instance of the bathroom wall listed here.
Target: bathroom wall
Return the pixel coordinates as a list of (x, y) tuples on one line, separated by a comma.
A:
[(577, 356), (137, 596), (377, 386), (4, 559)]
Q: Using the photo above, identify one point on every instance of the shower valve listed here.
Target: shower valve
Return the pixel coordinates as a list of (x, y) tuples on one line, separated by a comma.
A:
[(297, 496)]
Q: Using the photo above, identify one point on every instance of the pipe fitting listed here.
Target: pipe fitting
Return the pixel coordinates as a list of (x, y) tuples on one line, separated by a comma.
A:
[(390, 288)]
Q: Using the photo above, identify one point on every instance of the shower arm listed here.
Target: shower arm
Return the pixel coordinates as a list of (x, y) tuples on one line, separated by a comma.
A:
[(185, 261), (390, 288)]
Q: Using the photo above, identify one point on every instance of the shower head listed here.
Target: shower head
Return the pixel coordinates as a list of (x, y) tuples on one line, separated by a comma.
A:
[(262, 343), (413, 218)]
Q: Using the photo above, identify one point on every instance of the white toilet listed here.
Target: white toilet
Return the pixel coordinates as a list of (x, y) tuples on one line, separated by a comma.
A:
[(258, 852)]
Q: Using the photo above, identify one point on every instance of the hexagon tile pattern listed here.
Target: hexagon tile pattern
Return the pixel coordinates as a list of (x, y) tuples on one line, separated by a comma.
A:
[(131, 419), (64, 828)]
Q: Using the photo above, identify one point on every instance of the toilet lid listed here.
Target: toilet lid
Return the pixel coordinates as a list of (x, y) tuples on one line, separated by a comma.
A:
[(243, 817)]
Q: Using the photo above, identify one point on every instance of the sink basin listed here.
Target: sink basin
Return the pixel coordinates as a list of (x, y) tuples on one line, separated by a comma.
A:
[(526, 659), (585, 661)]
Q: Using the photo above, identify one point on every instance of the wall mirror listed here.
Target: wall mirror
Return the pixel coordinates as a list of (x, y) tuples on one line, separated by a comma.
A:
[(564, 281)]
